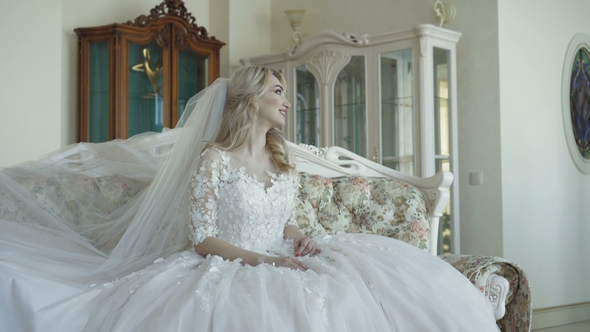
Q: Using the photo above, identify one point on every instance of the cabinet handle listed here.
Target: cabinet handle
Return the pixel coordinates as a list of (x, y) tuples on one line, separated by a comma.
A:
[(376, 155)]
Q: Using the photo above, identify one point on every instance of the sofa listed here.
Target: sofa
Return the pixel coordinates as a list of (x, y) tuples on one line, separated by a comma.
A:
[(340, 192)]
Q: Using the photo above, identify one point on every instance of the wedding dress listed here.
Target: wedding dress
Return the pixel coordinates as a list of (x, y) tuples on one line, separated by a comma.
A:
[(357, 282), (137, 277)]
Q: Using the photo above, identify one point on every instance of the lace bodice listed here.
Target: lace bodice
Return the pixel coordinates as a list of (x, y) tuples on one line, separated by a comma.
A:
[(236, 207)]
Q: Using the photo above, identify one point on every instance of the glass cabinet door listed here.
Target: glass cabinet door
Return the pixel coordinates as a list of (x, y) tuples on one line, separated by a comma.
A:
[(397, 111), (193, 75), (145, 98), (349, 107), (442, 135), (307, 106), (98, 97)]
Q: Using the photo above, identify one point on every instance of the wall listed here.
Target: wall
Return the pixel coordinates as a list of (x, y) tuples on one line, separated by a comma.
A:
[(244, 26), (30, 72), (545, 198), (250, 27), (478, 91)]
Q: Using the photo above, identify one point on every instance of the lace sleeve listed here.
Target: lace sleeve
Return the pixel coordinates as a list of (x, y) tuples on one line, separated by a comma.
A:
[(292, 221), (203, 198)]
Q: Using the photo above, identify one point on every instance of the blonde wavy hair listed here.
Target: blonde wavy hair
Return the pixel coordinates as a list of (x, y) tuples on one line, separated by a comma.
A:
[(246, 86)]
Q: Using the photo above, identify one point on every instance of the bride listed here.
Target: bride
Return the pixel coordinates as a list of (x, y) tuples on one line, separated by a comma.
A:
[(211, 244)]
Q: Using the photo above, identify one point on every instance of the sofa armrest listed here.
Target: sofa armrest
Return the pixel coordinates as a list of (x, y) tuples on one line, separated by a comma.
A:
[(501, 281)]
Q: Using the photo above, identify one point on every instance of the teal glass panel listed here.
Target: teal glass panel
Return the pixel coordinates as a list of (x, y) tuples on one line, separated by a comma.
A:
[(441, 102), (349, 107), (397, 110), (146, 84), (99, 92), (307, 107), (442, 136), (193, 76)]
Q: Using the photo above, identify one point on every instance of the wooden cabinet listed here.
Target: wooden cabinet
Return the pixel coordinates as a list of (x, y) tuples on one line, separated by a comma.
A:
[(389, 97), (137, 76)]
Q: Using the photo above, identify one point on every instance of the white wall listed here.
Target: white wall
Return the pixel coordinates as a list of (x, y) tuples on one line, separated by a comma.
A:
[(546, 208), (250, 30), (30, 73), (219, 10), (244, 26)]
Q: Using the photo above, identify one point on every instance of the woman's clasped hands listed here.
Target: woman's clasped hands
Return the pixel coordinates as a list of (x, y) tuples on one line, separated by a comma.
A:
[(304, 246)]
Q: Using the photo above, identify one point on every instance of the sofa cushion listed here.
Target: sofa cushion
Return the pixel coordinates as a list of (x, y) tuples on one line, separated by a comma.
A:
[(357, 204)]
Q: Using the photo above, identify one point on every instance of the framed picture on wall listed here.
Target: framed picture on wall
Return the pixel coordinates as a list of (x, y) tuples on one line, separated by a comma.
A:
[(576, 100)]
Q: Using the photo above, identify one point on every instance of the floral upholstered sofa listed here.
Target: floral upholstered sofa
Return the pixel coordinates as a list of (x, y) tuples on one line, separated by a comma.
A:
[(340, 192)]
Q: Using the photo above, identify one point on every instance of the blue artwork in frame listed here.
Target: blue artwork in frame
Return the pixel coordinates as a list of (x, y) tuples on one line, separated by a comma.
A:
[(575, 100), (580, 101)]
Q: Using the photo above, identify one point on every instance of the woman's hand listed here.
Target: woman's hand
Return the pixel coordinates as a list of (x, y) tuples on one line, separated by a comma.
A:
[(305, 246), (290, 262)]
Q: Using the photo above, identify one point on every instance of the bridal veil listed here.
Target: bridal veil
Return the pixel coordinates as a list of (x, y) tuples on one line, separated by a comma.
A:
[(153, 223)]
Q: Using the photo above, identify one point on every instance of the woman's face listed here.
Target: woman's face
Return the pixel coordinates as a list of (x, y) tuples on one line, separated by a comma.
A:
[(273, 105)]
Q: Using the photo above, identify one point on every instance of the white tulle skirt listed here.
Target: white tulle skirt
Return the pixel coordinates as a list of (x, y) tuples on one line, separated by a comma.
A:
[(356, 283)]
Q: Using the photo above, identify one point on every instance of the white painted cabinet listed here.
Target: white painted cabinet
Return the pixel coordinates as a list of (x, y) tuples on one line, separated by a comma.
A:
[(389, 97)]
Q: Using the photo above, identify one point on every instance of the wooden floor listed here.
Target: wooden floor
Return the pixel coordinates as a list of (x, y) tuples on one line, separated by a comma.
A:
[(578, 327)]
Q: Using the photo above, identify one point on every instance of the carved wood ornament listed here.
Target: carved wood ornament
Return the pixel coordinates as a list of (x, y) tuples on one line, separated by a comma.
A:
[(172, 8)]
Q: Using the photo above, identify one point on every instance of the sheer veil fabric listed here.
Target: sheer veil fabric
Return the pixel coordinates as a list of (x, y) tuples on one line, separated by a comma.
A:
[(127, 238)]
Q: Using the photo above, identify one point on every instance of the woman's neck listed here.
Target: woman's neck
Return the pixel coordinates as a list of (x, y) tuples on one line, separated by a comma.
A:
[(256, 146)]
